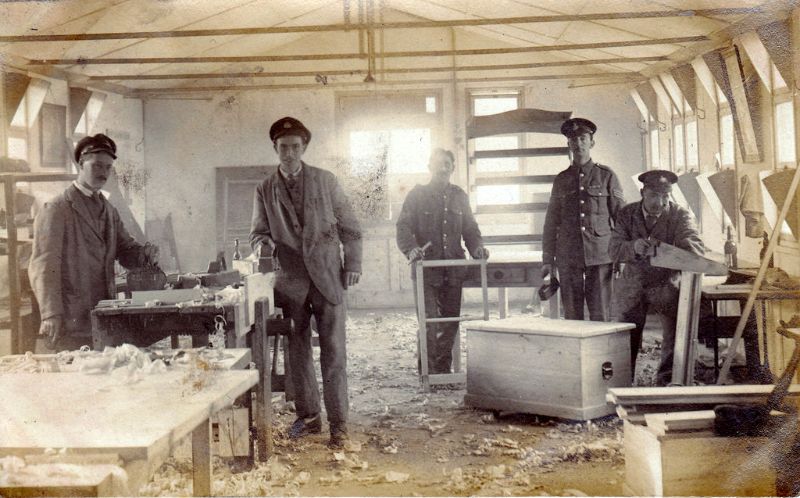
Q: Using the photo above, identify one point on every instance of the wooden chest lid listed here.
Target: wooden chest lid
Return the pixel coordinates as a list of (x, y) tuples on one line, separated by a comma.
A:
[(537, 325)]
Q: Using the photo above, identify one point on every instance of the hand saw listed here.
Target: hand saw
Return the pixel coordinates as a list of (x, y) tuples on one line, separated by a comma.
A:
[(669, 256)]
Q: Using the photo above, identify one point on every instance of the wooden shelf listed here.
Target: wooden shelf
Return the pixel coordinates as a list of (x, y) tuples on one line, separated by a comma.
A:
[(515, 180), (524, 207), (529, 152)]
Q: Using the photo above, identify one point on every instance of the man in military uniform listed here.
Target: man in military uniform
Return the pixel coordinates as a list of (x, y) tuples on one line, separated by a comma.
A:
[(302, 216), (577, 228), (639, 226), (439, 213)]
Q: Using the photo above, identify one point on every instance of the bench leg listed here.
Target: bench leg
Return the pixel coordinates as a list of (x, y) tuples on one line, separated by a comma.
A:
[(201, 459)]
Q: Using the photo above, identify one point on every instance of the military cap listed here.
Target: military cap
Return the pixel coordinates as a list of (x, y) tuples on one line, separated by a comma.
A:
[(97, 143), (289, 126), (660, 180), (547, 290), (576, 126)]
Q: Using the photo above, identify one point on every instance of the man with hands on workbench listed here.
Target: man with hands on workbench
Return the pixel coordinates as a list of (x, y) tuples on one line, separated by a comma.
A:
[(301, 215), (77, 237), (433, 220), (638, 229)]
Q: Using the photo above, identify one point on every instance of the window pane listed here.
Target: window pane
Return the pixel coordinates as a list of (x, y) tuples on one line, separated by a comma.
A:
[(368, 150), (655, 161), (784, 132), (677, 137), (493, 105), (17, 148), (726, 136), (499, 142), (430, 104), (409, 150), (498, 194), (692, 153)]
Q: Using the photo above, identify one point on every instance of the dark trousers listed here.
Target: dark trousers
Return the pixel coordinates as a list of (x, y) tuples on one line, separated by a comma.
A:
[(441, 301), (633, 304), (591, 284), (330, 320)]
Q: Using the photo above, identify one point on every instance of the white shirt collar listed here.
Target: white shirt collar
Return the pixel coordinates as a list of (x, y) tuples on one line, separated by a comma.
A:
[(292, 175), (83, 190)]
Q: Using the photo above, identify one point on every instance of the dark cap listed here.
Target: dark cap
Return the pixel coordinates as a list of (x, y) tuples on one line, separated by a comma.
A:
[(546, 291), (289, 126), (97, 143), (660, 180), (575, 126)]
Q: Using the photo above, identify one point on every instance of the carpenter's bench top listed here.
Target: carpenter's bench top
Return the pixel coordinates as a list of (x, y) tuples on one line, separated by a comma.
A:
[(538, 325), (100, 413)]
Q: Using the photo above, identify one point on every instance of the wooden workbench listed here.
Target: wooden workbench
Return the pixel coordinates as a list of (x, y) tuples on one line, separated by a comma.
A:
[(140, 422), (143, 325)]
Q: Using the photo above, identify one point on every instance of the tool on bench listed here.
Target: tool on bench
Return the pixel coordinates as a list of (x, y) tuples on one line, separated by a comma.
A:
[(741, 420)]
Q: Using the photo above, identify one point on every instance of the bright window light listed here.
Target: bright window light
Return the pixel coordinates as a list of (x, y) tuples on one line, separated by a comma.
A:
[(17, 148), (497, 164), (677, 139), (655, 160), (784, 131), (692, 152), (400, 151), (430, 105), (498, 194), (726, 138), (493, 105)]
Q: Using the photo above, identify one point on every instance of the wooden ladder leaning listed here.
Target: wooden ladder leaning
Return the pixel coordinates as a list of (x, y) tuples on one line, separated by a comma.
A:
[(458, 376)]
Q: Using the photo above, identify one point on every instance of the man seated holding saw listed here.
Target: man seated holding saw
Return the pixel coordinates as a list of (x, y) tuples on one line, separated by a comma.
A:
[(639, 227)]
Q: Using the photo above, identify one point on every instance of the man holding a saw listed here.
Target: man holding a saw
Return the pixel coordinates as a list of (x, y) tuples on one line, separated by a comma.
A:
[(639, 228)]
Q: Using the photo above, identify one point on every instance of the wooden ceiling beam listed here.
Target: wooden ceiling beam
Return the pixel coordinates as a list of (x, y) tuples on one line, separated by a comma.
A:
[(416, 53), (355, 71), (380, 25), (617, 77)]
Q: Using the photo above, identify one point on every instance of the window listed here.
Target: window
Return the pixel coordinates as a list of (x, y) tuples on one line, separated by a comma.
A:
[(430, 105), (655, 160), (692, 152), (483, 105), (402, 150), (784, 133), (726, 139), (680, 151), (498, 194)]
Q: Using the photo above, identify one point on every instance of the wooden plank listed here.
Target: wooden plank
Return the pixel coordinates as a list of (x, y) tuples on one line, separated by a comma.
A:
[(745, 104), (776, 36), (517, 121), (523, 207), (662, 423), (515, 180), (686, 329), (528, 152), (669, 256), (685, 79), (263, 401), (526, 325), (201, 459), (687, 395), (532, 238)]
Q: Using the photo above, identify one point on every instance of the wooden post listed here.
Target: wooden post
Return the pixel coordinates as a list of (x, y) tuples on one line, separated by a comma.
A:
[(263, 408), (422, 331), (686, 328), (201, 459), (13, 271)]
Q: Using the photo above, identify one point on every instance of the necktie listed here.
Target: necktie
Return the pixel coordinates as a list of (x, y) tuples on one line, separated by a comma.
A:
[(650, 221)]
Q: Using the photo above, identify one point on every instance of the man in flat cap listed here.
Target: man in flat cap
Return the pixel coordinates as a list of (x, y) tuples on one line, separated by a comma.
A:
[(438, 216), (642, 287), (302, 216), (577, 227), (77, 237)]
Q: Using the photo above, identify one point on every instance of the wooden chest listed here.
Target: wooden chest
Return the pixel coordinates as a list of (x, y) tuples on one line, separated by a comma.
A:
[(558, 368)]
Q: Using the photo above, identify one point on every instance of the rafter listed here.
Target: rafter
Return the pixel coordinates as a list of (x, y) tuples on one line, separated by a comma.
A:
[(379, 25), (357, 71), (418, 53)]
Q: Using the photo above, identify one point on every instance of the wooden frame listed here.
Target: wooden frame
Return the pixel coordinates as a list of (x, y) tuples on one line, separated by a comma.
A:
[(52, 133)]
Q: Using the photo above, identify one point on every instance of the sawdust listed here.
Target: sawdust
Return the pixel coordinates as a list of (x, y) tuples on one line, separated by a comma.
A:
[(408, 442)]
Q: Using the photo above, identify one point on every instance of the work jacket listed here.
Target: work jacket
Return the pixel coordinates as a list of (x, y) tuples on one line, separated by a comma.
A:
[(675, 226), (311, 252), (577, 227), (442, 217), (66, 240)]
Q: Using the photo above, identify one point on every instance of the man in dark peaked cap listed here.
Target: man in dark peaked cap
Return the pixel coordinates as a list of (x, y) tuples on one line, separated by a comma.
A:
[(577, 227), (642, 287), (77, 237), (302, 216)]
